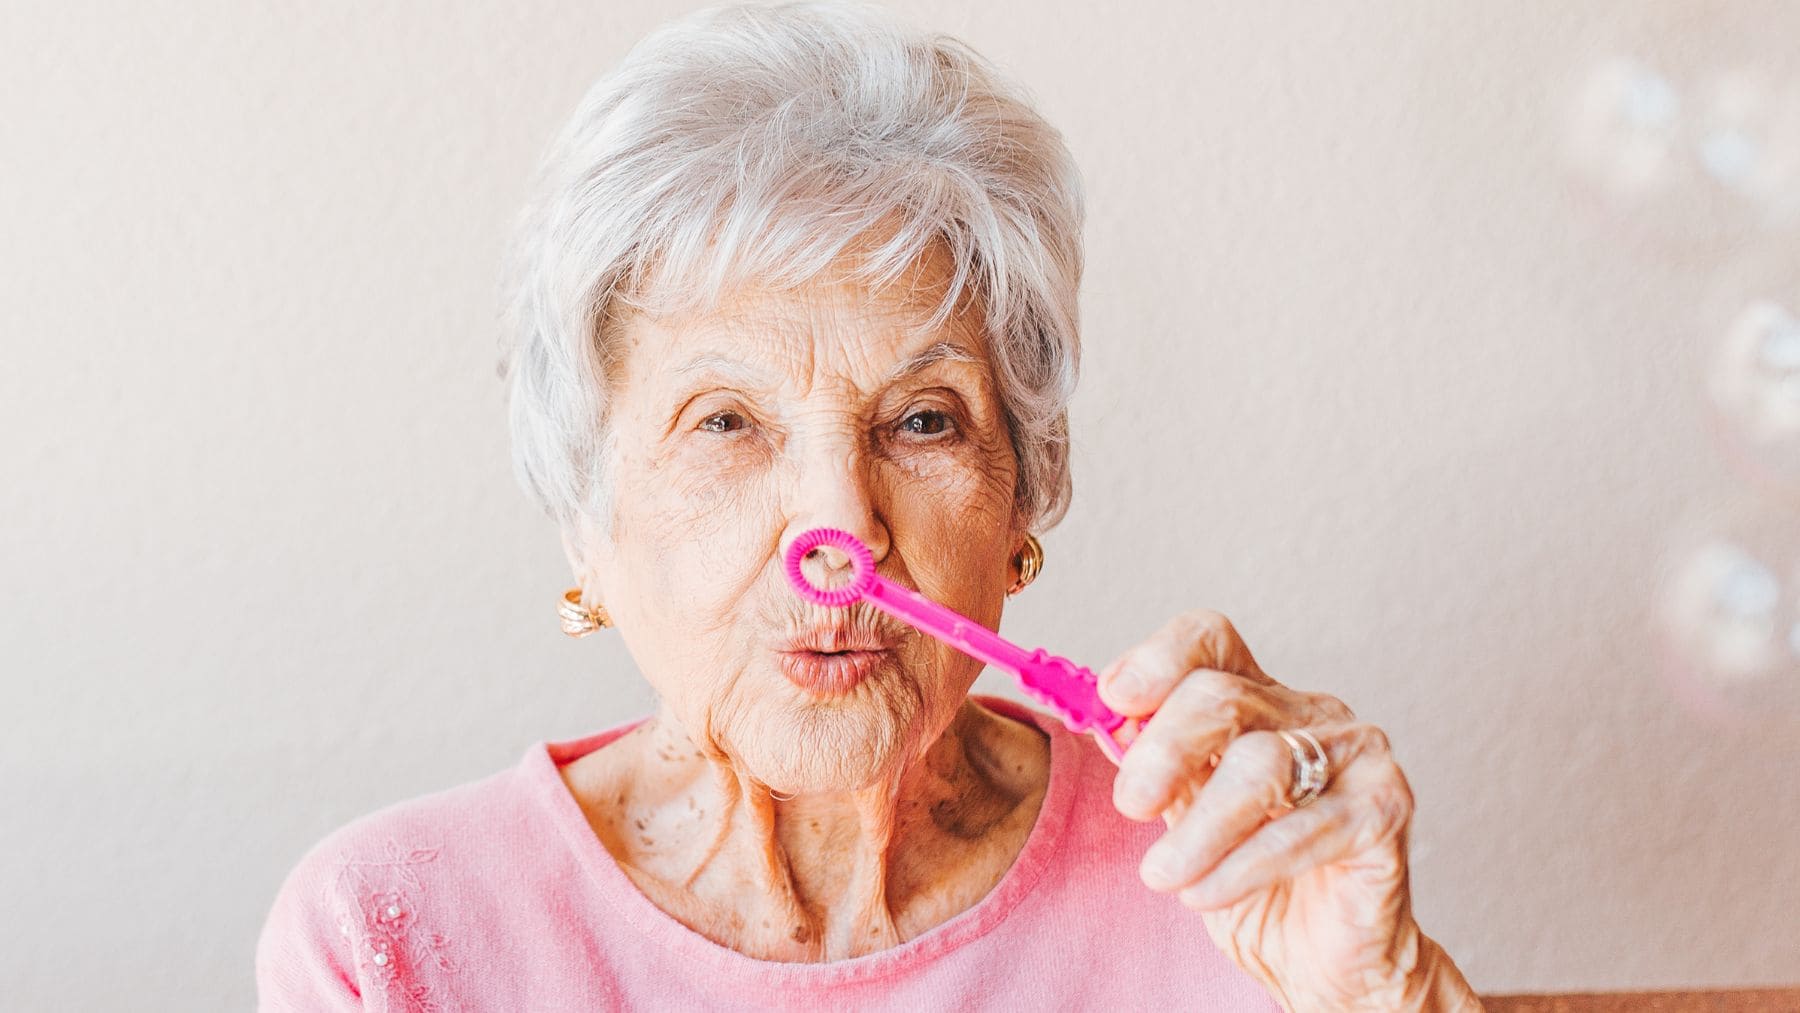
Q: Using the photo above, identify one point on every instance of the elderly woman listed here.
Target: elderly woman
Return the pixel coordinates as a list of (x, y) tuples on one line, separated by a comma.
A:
[(801, 266)]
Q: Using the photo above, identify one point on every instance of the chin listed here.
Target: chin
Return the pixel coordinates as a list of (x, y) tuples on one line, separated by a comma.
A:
[(797, 741)]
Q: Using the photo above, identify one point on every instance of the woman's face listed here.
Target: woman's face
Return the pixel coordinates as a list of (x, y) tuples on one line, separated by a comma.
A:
[(777, 412)]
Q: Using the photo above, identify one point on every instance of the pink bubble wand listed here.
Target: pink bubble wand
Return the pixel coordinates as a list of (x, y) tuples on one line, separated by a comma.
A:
[(1069, 690)]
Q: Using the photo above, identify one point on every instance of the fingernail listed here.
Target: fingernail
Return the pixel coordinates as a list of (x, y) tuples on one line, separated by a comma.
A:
[(1159, 867), (1127, 685), (1133, 793), (1200, 896)]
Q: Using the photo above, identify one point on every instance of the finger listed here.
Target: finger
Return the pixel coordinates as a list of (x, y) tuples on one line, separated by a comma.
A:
[(1282, 848), (1137, 682), (1178, 745), (1254, 775), (1365, 813)]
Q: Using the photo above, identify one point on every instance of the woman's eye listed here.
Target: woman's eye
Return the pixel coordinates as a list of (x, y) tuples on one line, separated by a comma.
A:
[(930, 422), (722, 422)]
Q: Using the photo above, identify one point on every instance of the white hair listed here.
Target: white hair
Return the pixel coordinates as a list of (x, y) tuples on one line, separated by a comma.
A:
[(756, 141)]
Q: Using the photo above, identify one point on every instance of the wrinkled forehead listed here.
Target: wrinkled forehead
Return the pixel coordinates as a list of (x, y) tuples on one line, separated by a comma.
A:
[(833, 328)]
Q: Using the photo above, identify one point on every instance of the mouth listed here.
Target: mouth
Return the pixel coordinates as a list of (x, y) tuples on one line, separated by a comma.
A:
[(829, 673), (834, 659)]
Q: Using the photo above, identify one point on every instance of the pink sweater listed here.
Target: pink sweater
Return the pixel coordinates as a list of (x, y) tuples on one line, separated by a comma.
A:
[(496, 895)]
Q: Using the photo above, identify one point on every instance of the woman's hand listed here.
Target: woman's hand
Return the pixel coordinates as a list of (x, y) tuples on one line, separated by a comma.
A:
[(1311, 901)]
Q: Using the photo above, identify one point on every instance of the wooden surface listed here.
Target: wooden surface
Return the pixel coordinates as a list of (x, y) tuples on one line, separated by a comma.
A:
[(1759, 1000)]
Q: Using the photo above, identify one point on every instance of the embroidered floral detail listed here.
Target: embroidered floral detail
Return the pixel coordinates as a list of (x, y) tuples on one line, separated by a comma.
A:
[(387, 950), (388, 914)]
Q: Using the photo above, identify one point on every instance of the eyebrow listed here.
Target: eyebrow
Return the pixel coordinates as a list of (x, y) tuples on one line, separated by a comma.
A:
[(941, 351)]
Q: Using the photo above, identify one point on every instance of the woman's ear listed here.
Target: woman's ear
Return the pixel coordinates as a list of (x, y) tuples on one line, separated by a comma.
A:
[(582, 544)]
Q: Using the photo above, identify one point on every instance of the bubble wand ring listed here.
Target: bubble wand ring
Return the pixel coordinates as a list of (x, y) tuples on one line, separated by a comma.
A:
[(1069, 690)]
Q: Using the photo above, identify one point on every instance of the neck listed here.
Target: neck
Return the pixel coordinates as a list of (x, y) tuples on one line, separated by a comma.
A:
[(821, 876)]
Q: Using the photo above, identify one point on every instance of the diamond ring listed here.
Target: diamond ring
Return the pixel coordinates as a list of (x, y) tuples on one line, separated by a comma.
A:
[(1312, 770)]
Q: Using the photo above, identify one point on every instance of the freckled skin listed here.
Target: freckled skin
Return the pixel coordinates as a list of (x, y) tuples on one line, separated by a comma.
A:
[(911, 800)]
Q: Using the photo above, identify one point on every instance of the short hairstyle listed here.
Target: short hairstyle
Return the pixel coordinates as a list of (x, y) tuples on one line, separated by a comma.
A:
[(754, 141)]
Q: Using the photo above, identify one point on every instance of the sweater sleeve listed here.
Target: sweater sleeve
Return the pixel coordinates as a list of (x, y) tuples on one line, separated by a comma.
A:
[(303, 957)]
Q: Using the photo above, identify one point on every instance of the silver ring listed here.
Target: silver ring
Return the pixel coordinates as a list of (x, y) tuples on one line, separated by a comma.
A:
[(1312, 769)]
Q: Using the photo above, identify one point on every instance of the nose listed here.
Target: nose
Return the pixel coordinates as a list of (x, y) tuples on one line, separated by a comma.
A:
[(835, 487)]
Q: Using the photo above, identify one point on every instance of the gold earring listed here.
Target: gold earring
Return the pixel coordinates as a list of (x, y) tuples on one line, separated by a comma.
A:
[(1031, 560), (579, 620)]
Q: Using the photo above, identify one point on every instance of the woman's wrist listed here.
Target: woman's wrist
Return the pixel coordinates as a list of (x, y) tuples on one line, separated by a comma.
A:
[(1432, 983), (1424, 980)]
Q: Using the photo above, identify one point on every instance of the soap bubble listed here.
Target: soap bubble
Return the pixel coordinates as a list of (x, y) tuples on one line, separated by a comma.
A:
[(1750, 318), (1626, 129), (1754, 390), (1728, 614), (1747, 142), (1700, 154)]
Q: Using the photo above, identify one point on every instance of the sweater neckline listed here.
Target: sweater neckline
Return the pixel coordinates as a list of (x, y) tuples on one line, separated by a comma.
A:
[(540, 769)]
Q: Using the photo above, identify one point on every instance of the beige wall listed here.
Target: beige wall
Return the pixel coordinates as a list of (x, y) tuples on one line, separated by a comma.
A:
[(1364, 372)]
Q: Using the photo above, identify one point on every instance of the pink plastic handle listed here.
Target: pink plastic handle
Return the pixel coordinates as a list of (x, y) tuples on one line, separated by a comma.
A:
[(1067, 689)]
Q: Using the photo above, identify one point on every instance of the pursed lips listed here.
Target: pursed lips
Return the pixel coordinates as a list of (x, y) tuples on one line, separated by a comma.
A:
[(832, 660), (837, 640)]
